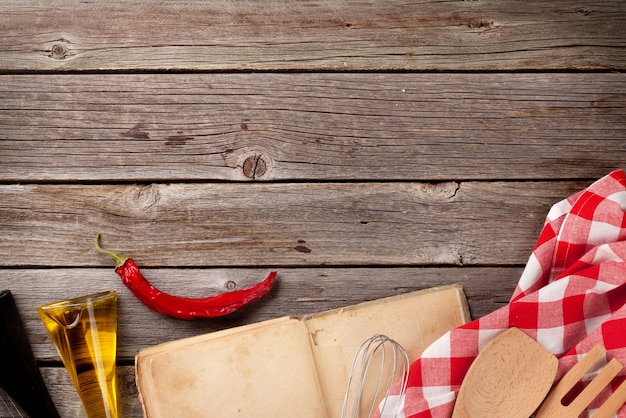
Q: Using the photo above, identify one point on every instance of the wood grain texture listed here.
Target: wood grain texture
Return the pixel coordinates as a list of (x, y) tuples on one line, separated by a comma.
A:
[(245, 127), (63, 35), (264, 224), (361, 149)]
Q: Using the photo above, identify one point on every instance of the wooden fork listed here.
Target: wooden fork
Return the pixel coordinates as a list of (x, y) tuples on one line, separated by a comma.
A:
[(552, 406)]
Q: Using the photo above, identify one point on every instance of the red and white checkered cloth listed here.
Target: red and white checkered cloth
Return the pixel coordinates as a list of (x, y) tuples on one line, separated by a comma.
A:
[(570, 297)]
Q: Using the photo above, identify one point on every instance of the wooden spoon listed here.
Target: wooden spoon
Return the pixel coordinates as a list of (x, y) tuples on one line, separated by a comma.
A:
[(510, 377)]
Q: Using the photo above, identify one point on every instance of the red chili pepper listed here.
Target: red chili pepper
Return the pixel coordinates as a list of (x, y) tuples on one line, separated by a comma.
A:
[(183, 307)]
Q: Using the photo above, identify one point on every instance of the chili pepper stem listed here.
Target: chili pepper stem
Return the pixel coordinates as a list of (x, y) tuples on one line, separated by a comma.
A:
[(118, 258)]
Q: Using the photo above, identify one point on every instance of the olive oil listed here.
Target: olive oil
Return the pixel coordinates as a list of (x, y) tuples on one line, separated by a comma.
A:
[(84, 331)]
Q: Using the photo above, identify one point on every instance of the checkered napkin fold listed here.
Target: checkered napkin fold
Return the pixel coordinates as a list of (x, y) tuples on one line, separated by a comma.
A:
[(570, 297)]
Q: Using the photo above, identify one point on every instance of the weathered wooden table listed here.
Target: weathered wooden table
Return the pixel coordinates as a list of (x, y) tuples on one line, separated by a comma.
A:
[(362, 149)]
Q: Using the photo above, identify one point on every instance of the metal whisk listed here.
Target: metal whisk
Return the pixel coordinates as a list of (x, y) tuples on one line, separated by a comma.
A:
[(378, 364)]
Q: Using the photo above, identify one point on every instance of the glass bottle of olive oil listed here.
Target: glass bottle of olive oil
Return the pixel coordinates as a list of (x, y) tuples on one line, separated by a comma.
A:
[(84, 331)]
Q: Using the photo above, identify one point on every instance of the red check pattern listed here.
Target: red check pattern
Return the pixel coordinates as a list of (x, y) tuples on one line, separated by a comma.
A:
[(570, 297)]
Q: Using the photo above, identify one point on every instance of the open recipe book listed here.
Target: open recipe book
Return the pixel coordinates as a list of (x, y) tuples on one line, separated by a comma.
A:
[(288, 366)]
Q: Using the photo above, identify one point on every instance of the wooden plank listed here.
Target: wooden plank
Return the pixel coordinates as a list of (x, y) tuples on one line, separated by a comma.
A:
[(267, 224), (62, 35), (298, 292), (242, 127)]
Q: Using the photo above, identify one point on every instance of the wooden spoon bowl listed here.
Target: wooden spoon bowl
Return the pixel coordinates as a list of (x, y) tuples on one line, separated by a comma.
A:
[(510, 377)]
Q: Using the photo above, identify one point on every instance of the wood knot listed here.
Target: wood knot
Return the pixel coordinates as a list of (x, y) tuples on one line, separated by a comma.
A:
[(480, 24), (58, 51), (127, 379), (583, 11), (254, 167), (440, 192), (231, 285), (146, 198)]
